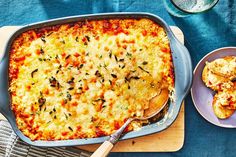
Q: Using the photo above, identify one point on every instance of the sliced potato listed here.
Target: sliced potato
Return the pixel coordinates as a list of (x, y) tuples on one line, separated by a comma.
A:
[(232, 99), (213, 81), (219, 110), (227, 97), (157, 103), (225, 67)]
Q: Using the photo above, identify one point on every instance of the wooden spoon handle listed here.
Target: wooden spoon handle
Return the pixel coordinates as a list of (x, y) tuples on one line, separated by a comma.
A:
[(103, 150)]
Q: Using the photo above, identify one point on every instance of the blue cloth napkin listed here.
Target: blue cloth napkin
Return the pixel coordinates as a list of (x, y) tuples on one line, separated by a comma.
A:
[(203, 33)]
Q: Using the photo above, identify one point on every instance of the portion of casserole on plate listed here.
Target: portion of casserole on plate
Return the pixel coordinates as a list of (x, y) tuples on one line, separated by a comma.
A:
[(85, 79), (219, 75)]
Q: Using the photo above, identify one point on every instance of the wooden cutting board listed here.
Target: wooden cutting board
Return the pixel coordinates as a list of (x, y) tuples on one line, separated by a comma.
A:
[(169, 140)]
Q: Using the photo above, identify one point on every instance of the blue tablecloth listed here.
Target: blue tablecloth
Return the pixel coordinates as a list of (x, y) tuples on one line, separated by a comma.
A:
[(203, 33)]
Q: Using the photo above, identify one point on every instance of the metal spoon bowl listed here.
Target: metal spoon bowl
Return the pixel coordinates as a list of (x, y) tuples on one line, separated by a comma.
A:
[(156, 104)]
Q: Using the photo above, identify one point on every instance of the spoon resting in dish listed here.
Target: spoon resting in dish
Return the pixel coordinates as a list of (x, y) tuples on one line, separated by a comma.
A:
[(156, 104)]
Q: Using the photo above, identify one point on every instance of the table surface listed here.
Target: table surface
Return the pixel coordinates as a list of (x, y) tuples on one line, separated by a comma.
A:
[(203, 33)]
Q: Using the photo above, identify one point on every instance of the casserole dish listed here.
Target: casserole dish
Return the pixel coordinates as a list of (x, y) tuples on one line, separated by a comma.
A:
[(182, 68)]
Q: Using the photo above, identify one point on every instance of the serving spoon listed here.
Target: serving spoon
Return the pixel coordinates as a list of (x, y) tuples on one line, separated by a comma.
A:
[(156, 104)]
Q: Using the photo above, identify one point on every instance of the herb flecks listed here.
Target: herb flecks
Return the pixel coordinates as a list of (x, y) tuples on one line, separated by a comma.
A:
[(80, 66), (128, 54), (143, 69), (145, 63), (66, 115), (54, 82), (49, 34), (67, 57), (56, 57), (114, 76), (41, 51), (70, 128), (110, 54), (116, 58), (88, 38), (41, 101), (121, 60), (100, 99), (32, 73), (71, 81), (98, 74), (68, 96), (135, 77), (63, 41), (129, 78), (77, 39), (71, 88)]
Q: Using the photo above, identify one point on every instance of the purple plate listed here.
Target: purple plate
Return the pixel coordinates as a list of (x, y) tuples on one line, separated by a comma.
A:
[(203, 96)]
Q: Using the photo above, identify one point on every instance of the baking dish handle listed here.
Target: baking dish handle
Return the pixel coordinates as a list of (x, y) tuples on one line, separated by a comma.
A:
[(184, 64), (4, 96)]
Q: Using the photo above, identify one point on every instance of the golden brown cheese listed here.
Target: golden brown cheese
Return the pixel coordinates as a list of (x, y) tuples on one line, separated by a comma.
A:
[(85, 79)]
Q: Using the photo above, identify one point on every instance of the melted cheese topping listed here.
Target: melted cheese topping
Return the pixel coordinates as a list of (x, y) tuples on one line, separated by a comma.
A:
[(213, 80), (85, 79), (225, 67), (227, 98)]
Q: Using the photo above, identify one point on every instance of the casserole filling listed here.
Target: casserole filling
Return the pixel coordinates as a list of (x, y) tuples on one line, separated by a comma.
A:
[(85, 79)]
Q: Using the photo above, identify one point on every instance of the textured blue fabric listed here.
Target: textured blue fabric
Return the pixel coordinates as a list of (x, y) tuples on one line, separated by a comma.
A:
[(203, 33)]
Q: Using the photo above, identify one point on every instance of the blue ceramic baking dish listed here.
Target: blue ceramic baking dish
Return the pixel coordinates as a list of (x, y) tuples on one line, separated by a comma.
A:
[(182, 68)]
